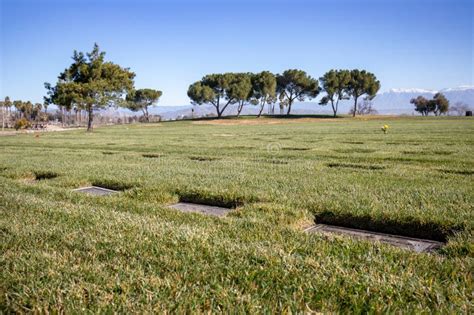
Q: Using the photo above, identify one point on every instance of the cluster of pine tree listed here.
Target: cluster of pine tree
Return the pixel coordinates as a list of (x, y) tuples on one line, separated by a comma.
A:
[(222, 90)]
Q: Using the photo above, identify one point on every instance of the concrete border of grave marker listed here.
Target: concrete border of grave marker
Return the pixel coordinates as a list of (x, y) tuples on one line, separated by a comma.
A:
[(96, 190), (415, 244)]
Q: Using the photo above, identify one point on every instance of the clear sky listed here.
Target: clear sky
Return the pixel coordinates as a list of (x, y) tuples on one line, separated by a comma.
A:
[(170, 44)]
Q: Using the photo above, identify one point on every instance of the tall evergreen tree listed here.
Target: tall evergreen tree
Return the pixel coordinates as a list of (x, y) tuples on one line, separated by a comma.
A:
[(91, 83)]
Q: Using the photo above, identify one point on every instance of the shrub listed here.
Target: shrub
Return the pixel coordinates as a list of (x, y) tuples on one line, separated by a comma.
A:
[(22, 123)]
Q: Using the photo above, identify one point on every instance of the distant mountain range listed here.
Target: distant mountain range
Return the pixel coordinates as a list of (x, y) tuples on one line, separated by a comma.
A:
[(392, 102)]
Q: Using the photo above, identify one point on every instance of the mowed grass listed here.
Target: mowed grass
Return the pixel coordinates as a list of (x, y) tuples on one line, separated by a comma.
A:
[(129, 252)]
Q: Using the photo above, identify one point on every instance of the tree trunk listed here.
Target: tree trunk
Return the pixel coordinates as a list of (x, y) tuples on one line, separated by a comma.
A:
[(239, 109), (355, 106), (289, 107), (147, 117), (261, 110), (334, 108), (145, 114), (90, 117), (217, 106)]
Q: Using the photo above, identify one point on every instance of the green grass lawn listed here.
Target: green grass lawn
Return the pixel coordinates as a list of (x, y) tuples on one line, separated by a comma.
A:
[(64, 251)]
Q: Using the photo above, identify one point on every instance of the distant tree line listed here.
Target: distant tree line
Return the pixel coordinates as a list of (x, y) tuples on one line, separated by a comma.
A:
[(26, 111), (222, 90), (90, 83), (438, 105)]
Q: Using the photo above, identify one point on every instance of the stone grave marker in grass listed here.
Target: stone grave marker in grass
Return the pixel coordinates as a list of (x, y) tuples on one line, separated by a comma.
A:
[(200, 208), (96, 191), (415, 244)]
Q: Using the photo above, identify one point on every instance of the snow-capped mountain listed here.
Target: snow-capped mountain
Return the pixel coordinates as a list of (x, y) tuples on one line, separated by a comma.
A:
[(412, 90)]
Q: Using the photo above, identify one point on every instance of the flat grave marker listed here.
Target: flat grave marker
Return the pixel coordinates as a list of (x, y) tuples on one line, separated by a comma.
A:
[(415, 244), (199, 208), (96, 191)]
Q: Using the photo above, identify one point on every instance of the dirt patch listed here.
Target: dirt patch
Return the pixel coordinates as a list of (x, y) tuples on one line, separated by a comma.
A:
[(48, 128), (108, 153), (8, 133), (238, 122)]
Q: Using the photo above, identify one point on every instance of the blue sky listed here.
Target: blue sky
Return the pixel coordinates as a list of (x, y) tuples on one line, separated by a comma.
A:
[(170, 44)]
